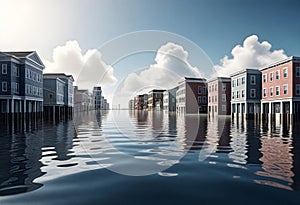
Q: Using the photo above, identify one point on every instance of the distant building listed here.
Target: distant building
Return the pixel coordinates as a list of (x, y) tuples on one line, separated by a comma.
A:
[(155, 100), (97, 94), (21, 82), (59, 91), (102, 105), (191, 96), (145, 107), (169, 98), (82, 100), (219, 96), (281, 87), (246, 92), (131, 104), (139, 102)]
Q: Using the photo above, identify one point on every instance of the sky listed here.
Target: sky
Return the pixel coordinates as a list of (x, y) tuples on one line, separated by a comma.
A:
[(73, 36)]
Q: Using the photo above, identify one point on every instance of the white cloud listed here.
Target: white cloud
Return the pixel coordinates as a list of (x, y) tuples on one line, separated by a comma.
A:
[(252, 54), (171, 63), (87, 69)]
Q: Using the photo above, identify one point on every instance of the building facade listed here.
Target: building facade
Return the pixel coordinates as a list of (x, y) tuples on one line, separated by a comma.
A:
[(191, 96), (97, 94), (246, 92), (21, 82), (281, 87), (82, 100), (139, 102), (169, 99), (219, 96), (58, 94), (155, 100)]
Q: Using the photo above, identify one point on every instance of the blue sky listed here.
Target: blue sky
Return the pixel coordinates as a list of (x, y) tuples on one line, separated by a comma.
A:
[(216, 26)]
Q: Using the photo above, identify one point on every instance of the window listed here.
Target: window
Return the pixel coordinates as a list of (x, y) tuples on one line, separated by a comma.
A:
[(209, 88), (285, 72), (216, 99), (4, 69), (252, 79), (204, 90), (297, 89), (243, 93), (233, 83), (224, 108), (204, 99), (277, 90), (243, 80), (199, 100), (199, 89), (237, 94), (271, 77), (277, 74), (216, 87), (265, 78), (17, 87), (265, 92), (216, 108), (271, 91), (209, 98), (238, 82), (297, 71), (252, 93), (4, 86), (223, 97), (285, 89), (232, 95), (224, 86)]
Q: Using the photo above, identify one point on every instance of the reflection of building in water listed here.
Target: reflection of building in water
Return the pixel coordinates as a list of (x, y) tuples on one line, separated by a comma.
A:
[(224, 133), (253, 143), (19, 161), (277, 160), (238, 142), (296, 156), (195, 127)]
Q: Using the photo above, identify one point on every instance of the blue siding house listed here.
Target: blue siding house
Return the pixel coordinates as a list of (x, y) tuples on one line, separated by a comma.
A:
[(58, 94), (21, 82)]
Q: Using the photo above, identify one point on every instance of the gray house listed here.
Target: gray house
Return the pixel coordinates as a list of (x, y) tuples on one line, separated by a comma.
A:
[(58, 94), (21, 82), (169, 100), (246, 92)]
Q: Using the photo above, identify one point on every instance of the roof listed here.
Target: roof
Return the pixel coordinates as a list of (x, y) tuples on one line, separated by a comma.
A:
[(249, 70), (222, 79), (58, 75), (156, 90), (19, 54), (280, 62)]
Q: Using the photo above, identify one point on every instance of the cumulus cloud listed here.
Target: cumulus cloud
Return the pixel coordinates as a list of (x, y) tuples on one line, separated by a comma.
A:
[(87, 69), (171, 63), (252, 54)]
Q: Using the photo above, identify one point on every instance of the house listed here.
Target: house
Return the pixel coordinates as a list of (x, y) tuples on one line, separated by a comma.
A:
[(82, 100), (219, 96), (58, 94), (97, 94), (246, 92), (191, 96), (155, 100), (169, 99), (281, 87), (21, 82)]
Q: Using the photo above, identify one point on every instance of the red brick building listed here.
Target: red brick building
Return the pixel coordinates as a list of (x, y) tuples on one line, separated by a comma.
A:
[(281, 87), (219, 96), (191, 96)]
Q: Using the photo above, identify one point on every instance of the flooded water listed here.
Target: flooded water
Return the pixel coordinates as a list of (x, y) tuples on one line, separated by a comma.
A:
[(123, 157)]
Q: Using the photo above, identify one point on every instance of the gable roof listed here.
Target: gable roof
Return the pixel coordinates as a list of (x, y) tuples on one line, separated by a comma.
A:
[(30, 55), (19, 54)]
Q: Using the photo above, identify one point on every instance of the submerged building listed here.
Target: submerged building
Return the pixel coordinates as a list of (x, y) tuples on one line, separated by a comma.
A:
[(21, 82)]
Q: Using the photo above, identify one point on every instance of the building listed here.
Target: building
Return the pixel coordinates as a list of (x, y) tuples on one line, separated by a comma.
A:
[(82, 100), (145, 107), (169, 98), (97, 94), (191, 96), (139, 102), (131, 104), (219, 96), (21, 82), (59, 91), (281, 87), (246, 92), (155, 100)]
